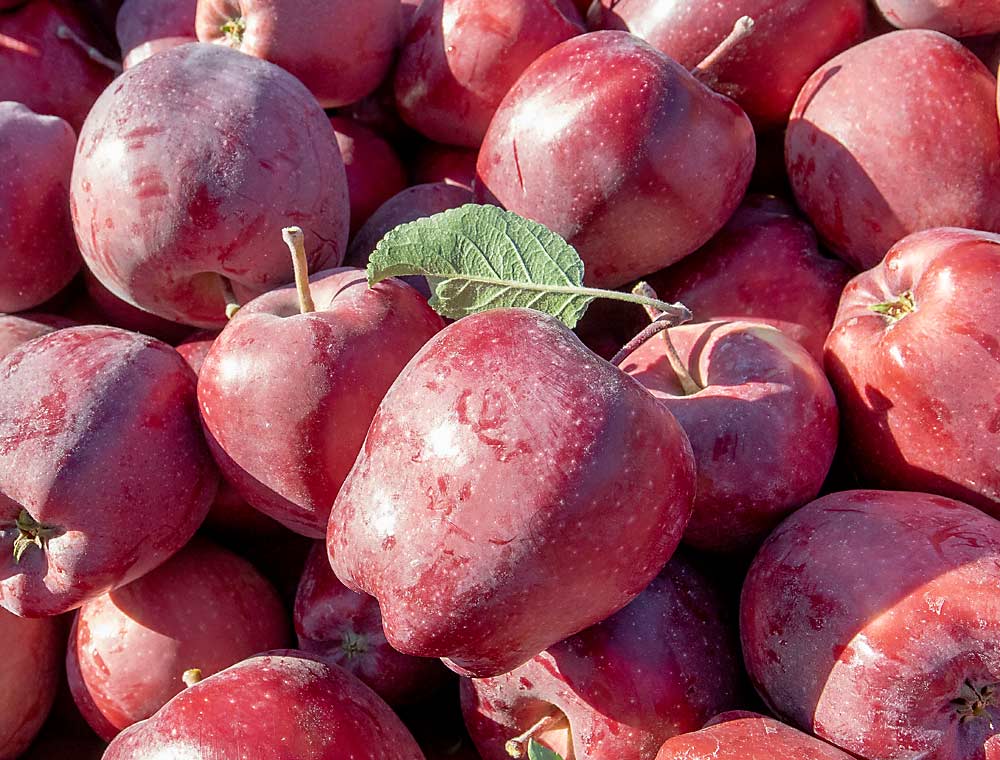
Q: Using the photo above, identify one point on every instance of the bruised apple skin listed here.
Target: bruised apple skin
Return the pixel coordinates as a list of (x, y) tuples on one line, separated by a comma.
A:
[(761, 418), (914, 357), (659, 667), (285, 705), (174, 188), (29, 676), (957, 18), (618, 149), (503, 444), (864, 147), (104, 470), (872, 619)]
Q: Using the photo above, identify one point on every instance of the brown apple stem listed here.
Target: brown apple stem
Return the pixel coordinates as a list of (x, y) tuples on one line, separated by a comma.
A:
[(295, 241), (705, 71), (518, 746), (232, 305), (657, 326), (63, 32), (191, 676)]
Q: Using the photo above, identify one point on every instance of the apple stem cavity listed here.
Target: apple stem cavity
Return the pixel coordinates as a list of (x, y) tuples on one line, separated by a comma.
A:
[(31, 533), (705, 71), (191, 676), (518, 746), (295, 241), (234, 29), (353, 644), (232, 305), (896, 310), (63, 32)]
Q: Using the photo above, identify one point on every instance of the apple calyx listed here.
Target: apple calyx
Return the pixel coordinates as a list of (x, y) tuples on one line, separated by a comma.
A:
[(518, 746), (31, 533), (353, 644), (705, 72), (233, 29), (63, 32), (295, 240), (896, 310), (975, 703), (191, 676)]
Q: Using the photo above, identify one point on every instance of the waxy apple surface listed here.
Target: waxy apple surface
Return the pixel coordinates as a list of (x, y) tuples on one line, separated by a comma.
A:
[(374, 172), (872, 619), (16, 329), (29, 676), (140, 22), (957, 18), (513, 489)]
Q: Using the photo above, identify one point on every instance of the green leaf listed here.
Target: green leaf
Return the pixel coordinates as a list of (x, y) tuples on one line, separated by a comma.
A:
[(537, 752), (477, 258)]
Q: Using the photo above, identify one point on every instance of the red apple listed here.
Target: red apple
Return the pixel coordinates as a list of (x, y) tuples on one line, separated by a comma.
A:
[(38, 255), (285, 705), (29, 676), (339, 49), (118, 313), (513, 489), (176, 190), (872, 619), (461, 57), (140, 22), (132, 649), (104, 472), (661, 666), (764, 265), (958, 18), (620, 150), (141, 52), (374, 172), (913, 358), (345, 627), (16, 329), (865, 149), (433, 162)]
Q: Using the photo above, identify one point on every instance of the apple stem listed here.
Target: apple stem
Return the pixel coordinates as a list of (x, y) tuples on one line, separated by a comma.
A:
[(896, 310), (30, 532), (705, 71), (518, 746), (191, 676), (63, 32), (232, 305), (295, 241)]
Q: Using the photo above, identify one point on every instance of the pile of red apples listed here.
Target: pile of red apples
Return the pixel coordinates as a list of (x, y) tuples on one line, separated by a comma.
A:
[(255, 508)]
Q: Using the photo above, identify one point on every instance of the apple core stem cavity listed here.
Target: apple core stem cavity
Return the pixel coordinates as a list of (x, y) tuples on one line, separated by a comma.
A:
[(295, 241), (896, 310)]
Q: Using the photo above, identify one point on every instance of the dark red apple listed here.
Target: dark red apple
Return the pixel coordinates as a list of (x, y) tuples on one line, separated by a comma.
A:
[(433, 162), (461, 57), (177, 190), (764, 265), (872, 619), (513, 489), (914, 357), (141, 52), (16, 329), (132, 649), (345, 627), (620, 150), (140, 22), (958, 18), (118, 313), (766, 70), (104, 472), (29, 677), (340, 49), (374, 172), (661, 666), (865, 149), (38, 255), (285, 705)]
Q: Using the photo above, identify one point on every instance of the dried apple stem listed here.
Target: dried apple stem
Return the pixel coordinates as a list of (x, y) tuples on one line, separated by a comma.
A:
[(518, 746), (295, 241), (704, 71), (232, 305), (63, 32), (191, 676), (31, 532)]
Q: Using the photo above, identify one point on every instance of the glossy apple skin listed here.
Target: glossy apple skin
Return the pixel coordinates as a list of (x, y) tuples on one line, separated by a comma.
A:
[(374, 171), (29, 677), (433, 162), (203, 608), (339, 49), (329, 618), (38, 255), (145, 50), (659, 667), (764, 265), (174, 187), (748, 736), (502, 444), (143, 21), (321, 377), (763, 429), (461, 57), (47, 74), (919, 395), (16, 329), (864, 144), (957, 18), (286, 705), (790, 39), (100, 438), (611, 144), (863, 615)]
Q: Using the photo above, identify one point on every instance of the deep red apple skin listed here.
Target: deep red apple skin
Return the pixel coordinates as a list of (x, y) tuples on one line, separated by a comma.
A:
[(461, 57), (321, 377), (143, 21), (611, 144), (374, 171), (764, 265), (957, 18), (863, 615), (763, 429), (747, 736), (174, 187), (145, 50), (864, 144), (118, 313), (16, 329), (38, 255), (203, 608), (47, 74), (29, 677), (659, 667), (790, 39), (286, 705), (503, 444), (100, 438), (433, 162), (339, 49), (919, 395), (345, 627)]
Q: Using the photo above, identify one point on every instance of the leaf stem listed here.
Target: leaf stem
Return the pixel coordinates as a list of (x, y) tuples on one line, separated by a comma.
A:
[(518, 746), (295, 241)]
